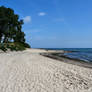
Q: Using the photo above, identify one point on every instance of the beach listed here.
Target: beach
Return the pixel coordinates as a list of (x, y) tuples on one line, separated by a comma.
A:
[(29, 71)]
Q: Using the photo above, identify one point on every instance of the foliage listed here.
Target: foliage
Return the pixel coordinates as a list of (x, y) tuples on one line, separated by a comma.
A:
[(10, 28), (15, 46), (2, 47)]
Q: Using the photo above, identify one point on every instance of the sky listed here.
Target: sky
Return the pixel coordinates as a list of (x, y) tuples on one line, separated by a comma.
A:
[(55, 23)]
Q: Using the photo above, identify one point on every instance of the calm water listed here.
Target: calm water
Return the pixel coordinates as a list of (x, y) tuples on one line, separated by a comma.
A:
[(79, 53)]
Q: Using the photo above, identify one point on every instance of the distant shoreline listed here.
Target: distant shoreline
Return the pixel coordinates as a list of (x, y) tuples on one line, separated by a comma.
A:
[(66, 59)]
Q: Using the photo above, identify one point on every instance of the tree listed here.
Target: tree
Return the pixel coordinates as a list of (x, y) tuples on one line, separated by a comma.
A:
[(10, 26)]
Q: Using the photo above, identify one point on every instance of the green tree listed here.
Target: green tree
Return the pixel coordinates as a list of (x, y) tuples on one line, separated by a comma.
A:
[(10, 26)]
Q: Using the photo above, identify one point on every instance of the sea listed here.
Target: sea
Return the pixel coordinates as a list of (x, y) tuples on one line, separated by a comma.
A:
[(84, 54)]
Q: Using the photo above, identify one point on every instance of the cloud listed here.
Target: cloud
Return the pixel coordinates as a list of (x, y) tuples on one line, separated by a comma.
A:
[(41, 14), (27, 19)]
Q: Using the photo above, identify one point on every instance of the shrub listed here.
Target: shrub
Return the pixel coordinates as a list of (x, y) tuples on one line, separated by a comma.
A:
[(26, 45), (14, 46), (3, 48)]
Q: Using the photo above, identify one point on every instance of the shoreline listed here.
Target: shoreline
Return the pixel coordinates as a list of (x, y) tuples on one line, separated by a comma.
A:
[(63, 58), (66, 59)]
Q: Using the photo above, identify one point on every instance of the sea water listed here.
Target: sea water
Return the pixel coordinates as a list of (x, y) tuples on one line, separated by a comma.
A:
[(77, 53)]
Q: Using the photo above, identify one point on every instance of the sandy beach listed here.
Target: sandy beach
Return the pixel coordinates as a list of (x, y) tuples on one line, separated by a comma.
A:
[(28, 71)]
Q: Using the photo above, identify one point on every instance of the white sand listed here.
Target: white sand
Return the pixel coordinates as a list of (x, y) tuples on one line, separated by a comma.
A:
[(28, 71)]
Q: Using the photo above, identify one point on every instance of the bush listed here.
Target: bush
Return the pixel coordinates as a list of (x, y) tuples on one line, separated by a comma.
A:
[(26, 45), (3, 48), (14, 46)]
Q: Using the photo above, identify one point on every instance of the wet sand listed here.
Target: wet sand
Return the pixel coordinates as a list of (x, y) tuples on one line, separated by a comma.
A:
[(64, 58)]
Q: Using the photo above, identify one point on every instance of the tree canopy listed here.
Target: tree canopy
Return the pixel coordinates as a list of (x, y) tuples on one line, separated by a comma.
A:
[(10, 26)]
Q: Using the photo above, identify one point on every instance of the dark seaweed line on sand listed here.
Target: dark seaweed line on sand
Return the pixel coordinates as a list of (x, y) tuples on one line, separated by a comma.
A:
[(66, 59)]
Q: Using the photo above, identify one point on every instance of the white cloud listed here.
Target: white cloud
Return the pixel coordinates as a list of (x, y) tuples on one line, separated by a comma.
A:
[(27, 19), (41, 14)]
